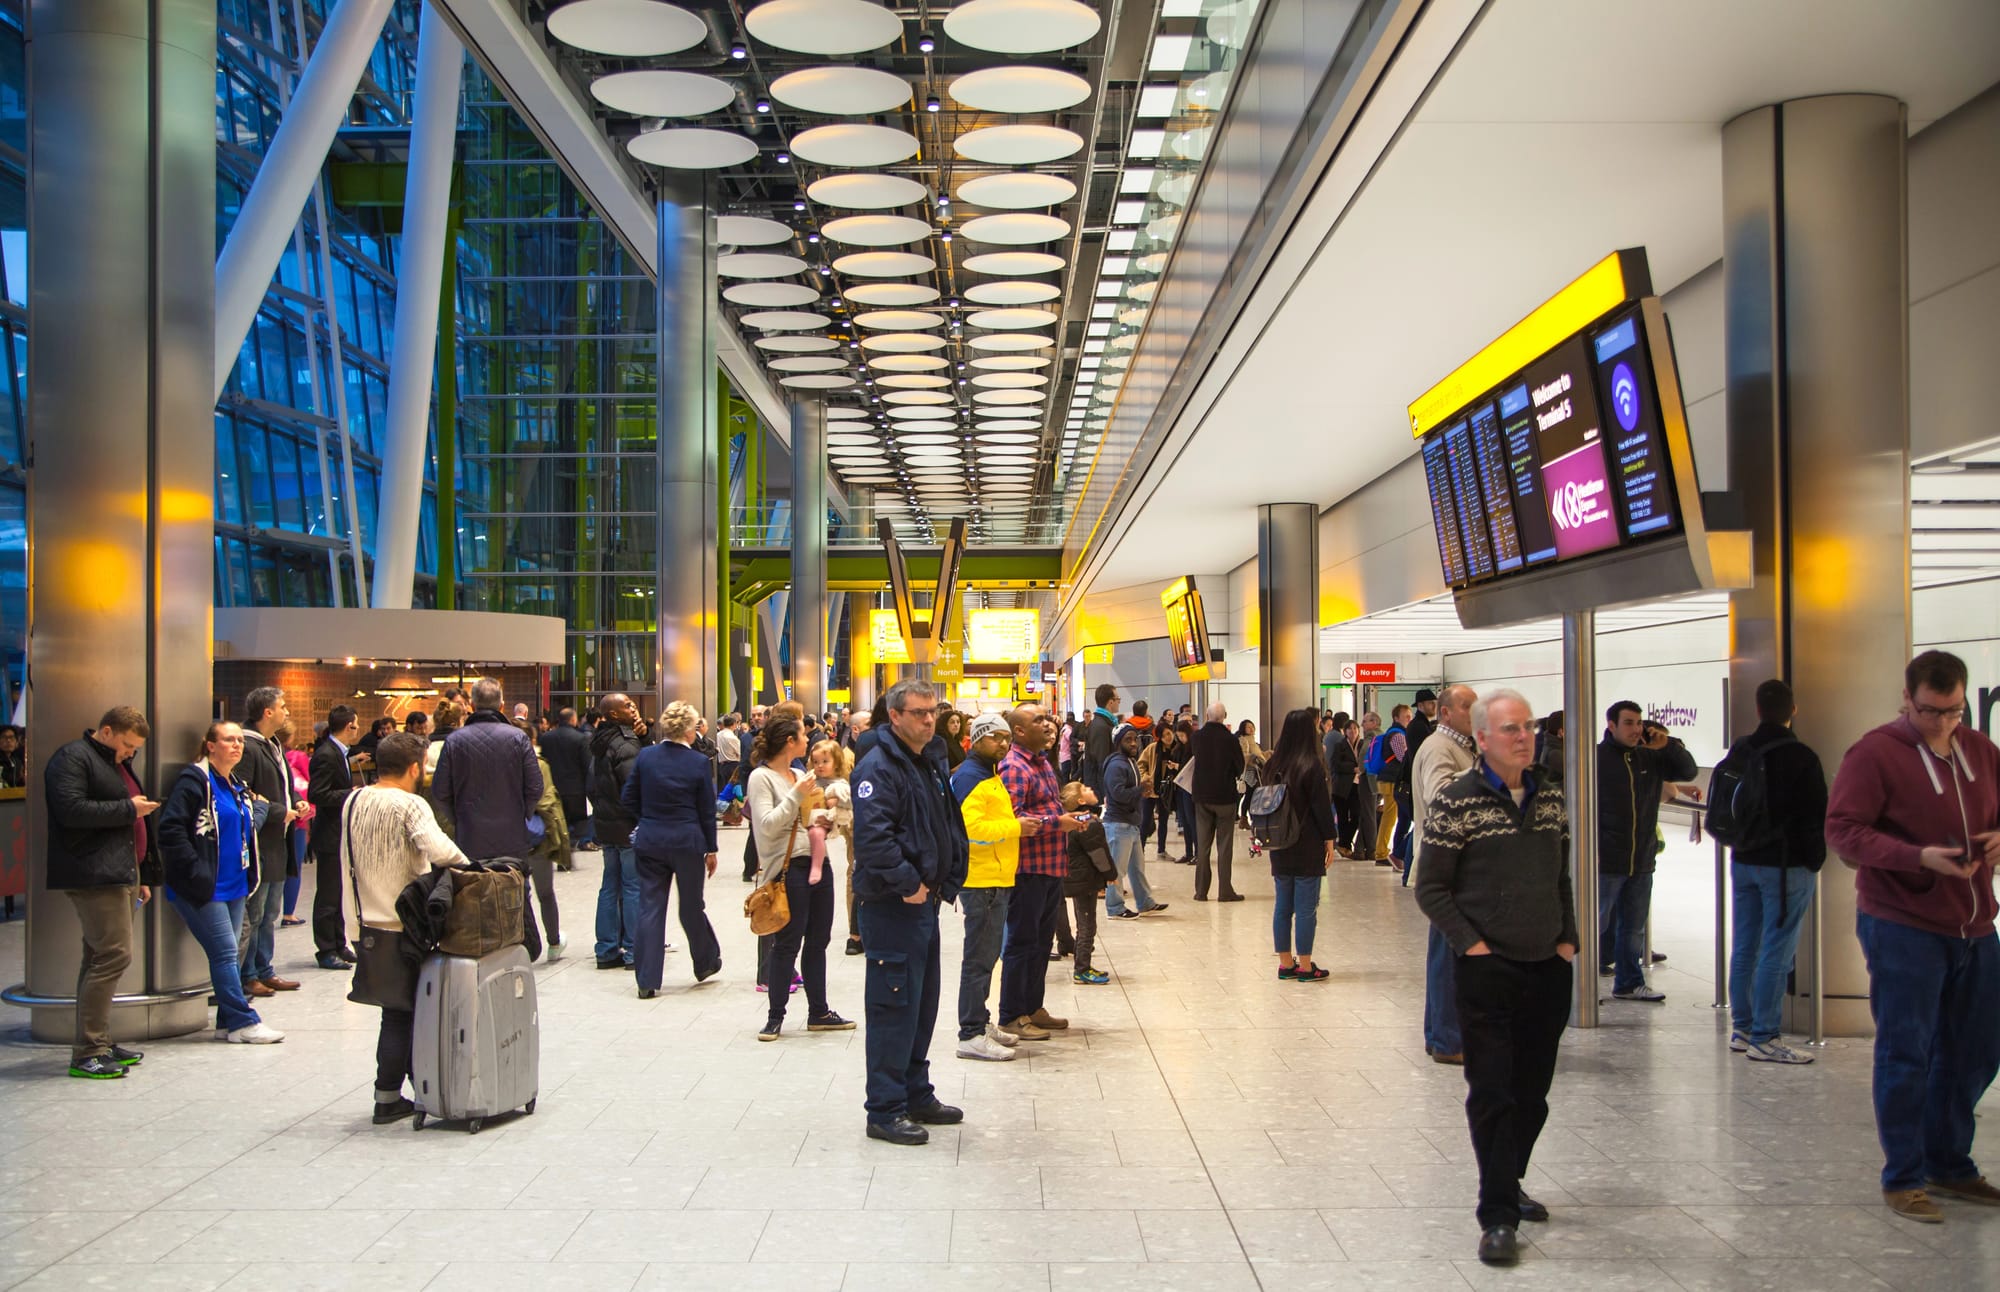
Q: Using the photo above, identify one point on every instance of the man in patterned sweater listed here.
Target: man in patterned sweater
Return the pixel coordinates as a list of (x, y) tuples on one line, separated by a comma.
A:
[(1495, 881)]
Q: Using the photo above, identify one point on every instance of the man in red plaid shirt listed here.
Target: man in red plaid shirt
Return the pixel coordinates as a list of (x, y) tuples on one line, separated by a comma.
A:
[(1032, 784)]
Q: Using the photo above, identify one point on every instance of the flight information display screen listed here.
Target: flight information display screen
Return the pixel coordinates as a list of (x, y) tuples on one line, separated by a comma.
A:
[(1565, 459)]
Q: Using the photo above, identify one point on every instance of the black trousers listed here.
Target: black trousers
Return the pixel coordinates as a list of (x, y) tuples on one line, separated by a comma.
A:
[(656, 882), (1512, 1014), (803, 940), (901, 1004), (392, 1050), (1032, 915), (329, 922)]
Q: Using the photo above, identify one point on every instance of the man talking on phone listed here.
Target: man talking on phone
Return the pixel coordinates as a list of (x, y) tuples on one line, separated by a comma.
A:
[(1915, 809)]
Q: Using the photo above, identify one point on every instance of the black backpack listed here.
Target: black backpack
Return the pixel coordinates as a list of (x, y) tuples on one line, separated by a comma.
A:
[(1739, 808), (1273, 823)]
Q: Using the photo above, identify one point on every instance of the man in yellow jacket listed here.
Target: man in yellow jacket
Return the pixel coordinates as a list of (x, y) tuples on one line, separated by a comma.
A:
[(994, 833)]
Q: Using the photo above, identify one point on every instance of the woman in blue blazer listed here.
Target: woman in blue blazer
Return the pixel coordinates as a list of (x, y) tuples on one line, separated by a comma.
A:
[(671, 794)]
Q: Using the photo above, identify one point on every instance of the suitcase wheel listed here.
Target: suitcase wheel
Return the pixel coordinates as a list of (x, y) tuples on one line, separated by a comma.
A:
[(529, 1108), (475, 1125), (417, 1122)]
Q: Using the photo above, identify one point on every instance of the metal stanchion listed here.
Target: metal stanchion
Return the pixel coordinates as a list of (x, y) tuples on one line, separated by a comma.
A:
[(1580, 792), (1818, 1038), (1721, 927)]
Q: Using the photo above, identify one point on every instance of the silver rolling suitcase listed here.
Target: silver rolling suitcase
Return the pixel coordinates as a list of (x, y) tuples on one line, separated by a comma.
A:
[(478, 1040)]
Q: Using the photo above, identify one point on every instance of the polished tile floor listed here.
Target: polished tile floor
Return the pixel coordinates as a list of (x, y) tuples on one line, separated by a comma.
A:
[(1201, 1125)]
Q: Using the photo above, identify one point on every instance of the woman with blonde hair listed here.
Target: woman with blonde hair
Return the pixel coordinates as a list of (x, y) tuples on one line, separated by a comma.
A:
[(671, 796)]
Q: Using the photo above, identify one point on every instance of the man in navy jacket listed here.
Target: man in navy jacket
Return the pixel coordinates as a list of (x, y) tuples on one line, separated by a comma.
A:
[(488, 780), (910, 854)]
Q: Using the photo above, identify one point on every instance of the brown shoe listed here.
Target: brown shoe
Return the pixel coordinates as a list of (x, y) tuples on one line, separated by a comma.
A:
[(1976, 1189), (279, 984), (1042, 1018), (256, 988), (1024, 1027), (1913, 1204), (1455, 1060)]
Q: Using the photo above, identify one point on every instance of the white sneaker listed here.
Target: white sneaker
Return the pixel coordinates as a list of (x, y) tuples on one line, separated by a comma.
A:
[(1775, 1051), (1738, 1042), (1641, 993), (256, 1034), (556, 949), (1008, 1039), (984, 1047)]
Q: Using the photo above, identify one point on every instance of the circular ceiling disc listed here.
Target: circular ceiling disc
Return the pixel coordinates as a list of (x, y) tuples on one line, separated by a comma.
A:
[(902, 342), (1013, 192), (823, 26), (877, 230), (913, 436), (627, 28), (807, 363), (845, 414), (916, 397), (914, 381), (1008, 264), (892, 293), (852, 144), (841, 91), (1009, 433), (750, 231), (850, 436), (1018, 145), (796, 344), (1007, 397), (1022, 26), (908, 362), (916, 425), (866, 192), (884, 264), (692, 148), (1012, 320), (898, 320), (1016, 228), (785, 320), (1014, 89), (919, 411), (758, 264), (770, 294), (1010, 362), (816, 383), (1006, 380), (1005, 341), (1011, 293), (659, 93)]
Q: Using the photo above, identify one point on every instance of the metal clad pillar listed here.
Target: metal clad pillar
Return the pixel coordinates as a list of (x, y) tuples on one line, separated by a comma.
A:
[(809, 554), (419, 275), (1815, 272), (121, 212), (1580, 790), (685, 533), (1287, 613)]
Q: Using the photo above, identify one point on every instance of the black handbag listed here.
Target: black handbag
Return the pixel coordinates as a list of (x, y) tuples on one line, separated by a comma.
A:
[(383, 975)]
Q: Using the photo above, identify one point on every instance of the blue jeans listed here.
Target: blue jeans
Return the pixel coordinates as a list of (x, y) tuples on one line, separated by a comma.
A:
[(1769, 904), (1128, 857), (1441, 1034), (259, 942), (1296, 918), (617, 903), (1622, 904), (985, 911), (214, 926), (1934, 1000)]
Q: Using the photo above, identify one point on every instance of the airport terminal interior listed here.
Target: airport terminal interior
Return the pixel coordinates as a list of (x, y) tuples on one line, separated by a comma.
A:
[(1571, 389)]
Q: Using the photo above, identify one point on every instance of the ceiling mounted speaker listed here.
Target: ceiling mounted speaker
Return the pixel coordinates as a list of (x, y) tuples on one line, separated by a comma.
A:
[(892, 293), (627, 28), (866, 192), (796, 344), (1016, 228), (807, 363), (1016, 191), (1011, 293), (659, 93), (770, 294), (877, 230), (1012, 320), (850, 144), (758, 264), (750, 231), (1018, 145), (884, 264), (841, 91), (907, 362), (1010, 264), (810, 382), (1022, 26), (692, 148), (898, 320), (823, 26), (785, 320), (902, 342), (1014, 89)]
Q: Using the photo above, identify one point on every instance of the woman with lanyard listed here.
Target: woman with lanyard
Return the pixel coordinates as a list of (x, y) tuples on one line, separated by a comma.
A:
[(782, 804), (208, 847)]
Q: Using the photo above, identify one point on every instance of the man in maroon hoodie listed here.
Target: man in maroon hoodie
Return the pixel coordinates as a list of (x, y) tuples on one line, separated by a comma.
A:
[(1915, 808)]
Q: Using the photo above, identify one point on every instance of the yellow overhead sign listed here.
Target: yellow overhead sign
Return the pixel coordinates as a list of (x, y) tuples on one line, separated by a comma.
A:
[(1098, 654), (949, 663), (885, 638), (1003, 636), (1603, 287)]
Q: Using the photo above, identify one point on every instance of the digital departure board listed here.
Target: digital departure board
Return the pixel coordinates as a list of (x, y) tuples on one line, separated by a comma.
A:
[(1494, 493), (1187, 629), (1471, 507), (1437, 480)]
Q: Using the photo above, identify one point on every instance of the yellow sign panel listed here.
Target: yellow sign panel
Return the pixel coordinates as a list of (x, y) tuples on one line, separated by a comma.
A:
[(885, 638), (839, 697), (949, 665), (1003, 636), (757, 681), (969, 690), (1097, 654), (1569, 311)]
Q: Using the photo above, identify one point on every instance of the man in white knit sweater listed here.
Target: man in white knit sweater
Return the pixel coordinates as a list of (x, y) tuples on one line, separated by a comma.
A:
[(391, 838)]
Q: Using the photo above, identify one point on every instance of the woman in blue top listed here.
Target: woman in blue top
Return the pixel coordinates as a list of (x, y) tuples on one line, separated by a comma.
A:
[(208, 847), (671, 795)]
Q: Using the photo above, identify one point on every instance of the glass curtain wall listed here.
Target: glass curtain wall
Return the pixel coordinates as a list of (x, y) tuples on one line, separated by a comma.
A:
[(14, 356)]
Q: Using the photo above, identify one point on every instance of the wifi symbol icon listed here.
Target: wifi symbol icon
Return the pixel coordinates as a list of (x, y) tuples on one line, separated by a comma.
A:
[(1625, 396)]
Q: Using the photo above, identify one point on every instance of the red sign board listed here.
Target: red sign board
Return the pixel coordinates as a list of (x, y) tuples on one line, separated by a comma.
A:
[(1374, 674)]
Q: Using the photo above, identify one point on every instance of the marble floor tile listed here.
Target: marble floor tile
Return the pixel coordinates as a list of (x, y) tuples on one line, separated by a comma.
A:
[(1798, 1232), (955, 1188), (1822, 1275), (333, 1276), (1052, 1236), (538, 1276), (1158, 1188), (325, 1235), (970, 1276)]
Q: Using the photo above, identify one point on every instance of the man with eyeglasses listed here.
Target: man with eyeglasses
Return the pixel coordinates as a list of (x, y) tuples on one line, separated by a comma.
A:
[(1915, 809), (1494, 879)]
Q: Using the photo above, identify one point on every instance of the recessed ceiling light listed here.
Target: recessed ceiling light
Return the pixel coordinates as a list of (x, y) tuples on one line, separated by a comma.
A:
[(1120, 239), (1129, 211), (1156, 102), (1136, 179), (1146, 144), (1170, 53)]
